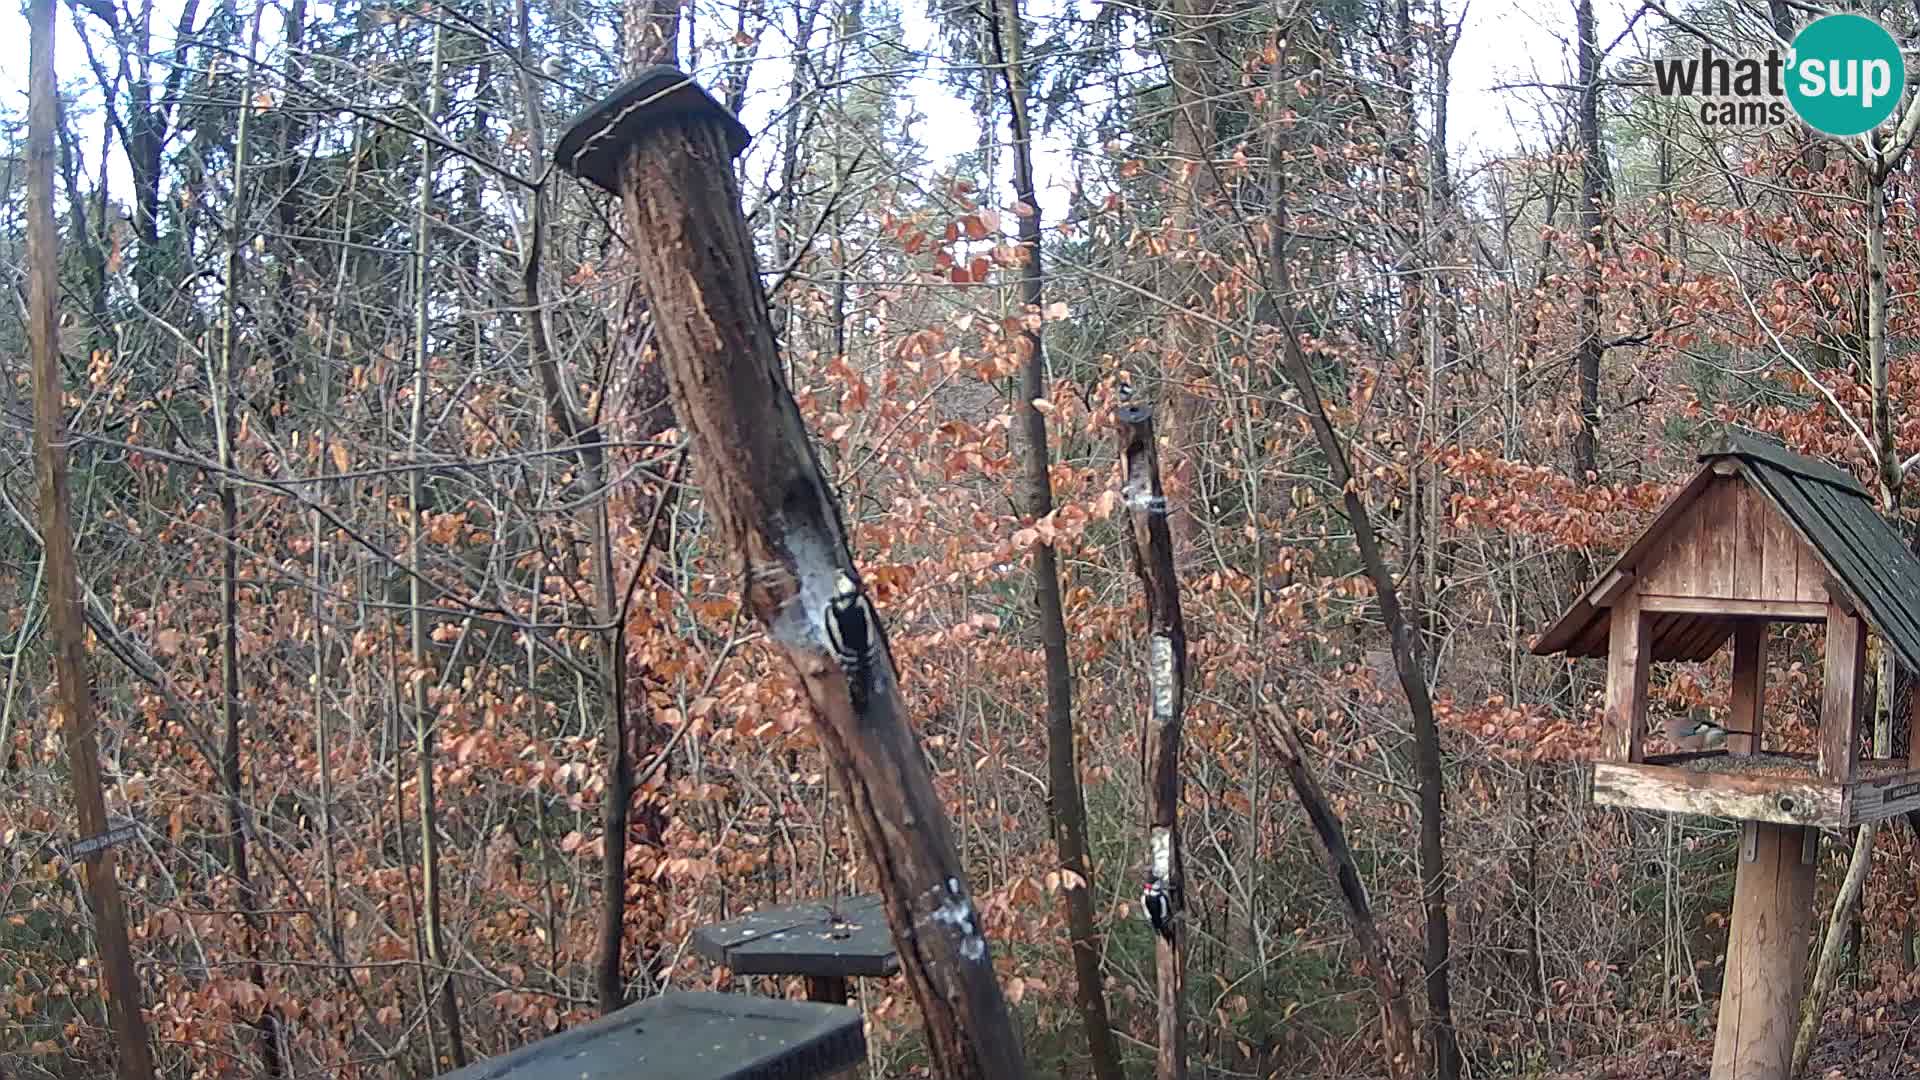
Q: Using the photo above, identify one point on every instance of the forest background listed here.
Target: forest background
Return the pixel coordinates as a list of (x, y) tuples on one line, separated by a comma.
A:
[(417, 662)]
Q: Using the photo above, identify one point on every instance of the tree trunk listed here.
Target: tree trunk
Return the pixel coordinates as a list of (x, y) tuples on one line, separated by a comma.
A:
[(121, 983), (1408, 660), (1151, 543), (1886, 449), (1191, 55), (1593, 179), (772, 506), (287, 197), (226, 395), (444, 989), (1887, 470), (1845, 906), (639, 412), (1396, 1020), (637, 382), (1036, 502)]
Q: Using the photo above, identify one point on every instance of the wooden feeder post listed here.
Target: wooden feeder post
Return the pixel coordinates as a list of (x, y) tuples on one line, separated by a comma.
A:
[(1759, 535), (666, 148), (1767, 943)]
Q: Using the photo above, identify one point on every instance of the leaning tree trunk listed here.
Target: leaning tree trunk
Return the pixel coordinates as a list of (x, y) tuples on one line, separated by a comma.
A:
[(667, 149), (1331, 836), (73, 694), (1828, 969), (1408, 660), (1036, 500)]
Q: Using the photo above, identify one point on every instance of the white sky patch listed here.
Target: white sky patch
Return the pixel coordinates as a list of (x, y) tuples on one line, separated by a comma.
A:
[(1499, 105)]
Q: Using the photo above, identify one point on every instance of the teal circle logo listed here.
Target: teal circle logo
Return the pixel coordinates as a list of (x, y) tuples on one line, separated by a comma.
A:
[(1845, 75)]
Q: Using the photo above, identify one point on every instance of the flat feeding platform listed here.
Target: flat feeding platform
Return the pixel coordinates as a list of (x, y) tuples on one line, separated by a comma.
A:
[(1797, 766), (692, 1036), (1781, 788), (847, 937)]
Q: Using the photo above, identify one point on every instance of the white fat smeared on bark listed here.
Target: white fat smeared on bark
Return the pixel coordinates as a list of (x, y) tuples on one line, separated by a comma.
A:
[(802, 622), (956, 915), (1162, 841), (1140, 496), (1160, 676)]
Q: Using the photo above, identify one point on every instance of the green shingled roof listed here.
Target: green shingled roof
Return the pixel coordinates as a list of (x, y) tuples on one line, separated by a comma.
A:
[(1835, 515)]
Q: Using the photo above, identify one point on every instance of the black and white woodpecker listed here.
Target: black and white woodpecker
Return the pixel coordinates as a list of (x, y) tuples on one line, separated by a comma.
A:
[(1159, 902), (852, 636)]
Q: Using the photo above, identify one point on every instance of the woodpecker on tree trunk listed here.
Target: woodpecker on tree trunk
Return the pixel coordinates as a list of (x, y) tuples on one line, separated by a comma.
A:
[(852, 637), (1159, 904)]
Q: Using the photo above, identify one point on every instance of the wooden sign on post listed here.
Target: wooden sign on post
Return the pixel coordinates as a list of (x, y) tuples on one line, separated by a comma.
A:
[(119, 834)]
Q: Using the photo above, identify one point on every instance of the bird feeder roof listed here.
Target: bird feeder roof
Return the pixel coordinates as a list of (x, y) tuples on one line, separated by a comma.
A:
[(1867, 566), (594, 145)]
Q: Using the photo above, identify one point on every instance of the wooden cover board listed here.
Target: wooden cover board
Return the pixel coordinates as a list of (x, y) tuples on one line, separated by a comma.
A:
[(692, 1036), (1731, 544)]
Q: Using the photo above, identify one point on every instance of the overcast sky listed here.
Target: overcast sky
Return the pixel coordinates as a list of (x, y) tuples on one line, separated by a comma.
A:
[(1505, 42)]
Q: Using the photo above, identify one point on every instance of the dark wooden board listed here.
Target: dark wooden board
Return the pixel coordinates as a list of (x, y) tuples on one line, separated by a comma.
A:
[(848, 937), (596, 140), (692, 1036)]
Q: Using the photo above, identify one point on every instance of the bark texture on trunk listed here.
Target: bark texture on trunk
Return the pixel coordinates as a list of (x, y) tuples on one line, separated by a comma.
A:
[(1036, 502), (73, 694), (1593, 183), (1191, 57), (1150, 542), (771, 505)]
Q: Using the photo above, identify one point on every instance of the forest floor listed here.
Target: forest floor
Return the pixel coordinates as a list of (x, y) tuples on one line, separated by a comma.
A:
[(1890, 1052)]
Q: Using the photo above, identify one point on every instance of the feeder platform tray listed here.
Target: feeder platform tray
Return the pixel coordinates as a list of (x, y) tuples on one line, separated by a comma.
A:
[(826, 941), (692, 1036), (1781, 788)]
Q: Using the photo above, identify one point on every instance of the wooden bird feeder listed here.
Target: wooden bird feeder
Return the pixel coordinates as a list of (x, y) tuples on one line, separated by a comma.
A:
[(1760, 535), (826, 941), (692, 1036)]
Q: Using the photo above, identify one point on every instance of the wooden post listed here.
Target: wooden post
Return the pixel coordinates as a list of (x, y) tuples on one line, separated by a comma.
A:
[(73, 700), (1840, 694), (1766, 953), (1628, 651), (831, 989), (1913, 723), (1151, 543), (667, 149), (1744, 724)]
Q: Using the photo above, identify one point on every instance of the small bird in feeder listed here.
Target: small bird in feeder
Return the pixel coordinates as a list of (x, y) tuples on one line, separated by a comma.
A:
[(1699, 732)]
